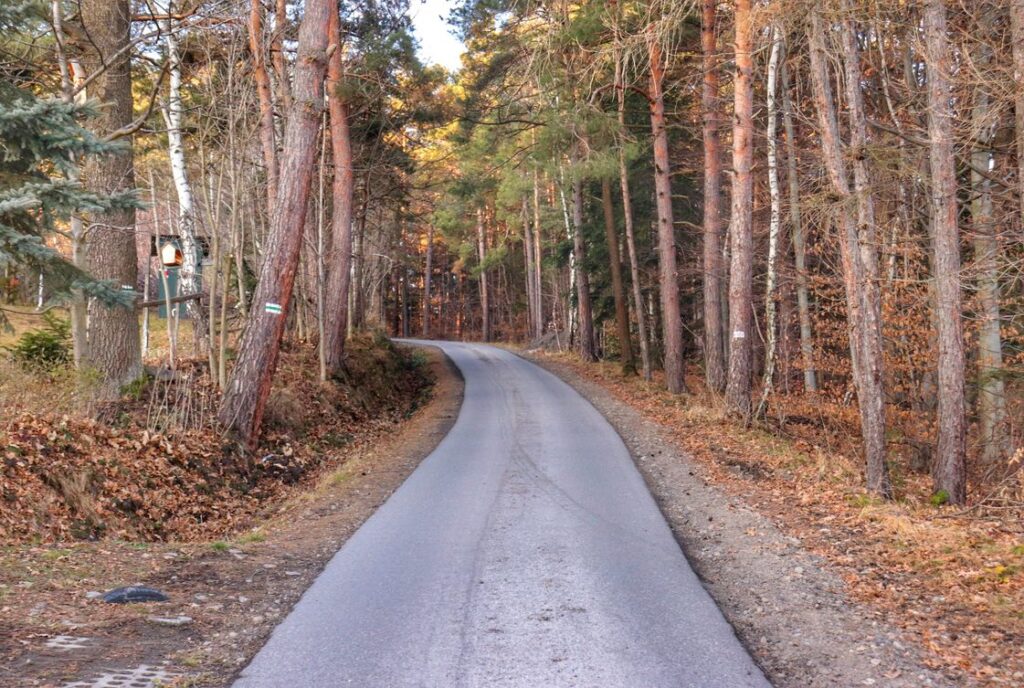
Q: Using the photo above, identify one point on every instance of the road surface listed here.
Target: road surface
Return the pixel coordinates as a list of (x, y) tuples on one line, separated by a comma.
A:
[(525, 551)]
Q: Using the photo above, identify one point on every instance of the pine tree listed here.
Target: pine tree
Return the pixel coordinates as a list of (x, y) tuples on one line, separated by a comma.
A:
[(40, 140)]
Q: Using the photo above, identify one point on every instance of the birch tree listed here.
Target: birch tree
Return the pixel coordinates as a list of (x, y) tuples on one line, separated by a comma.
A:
[(188, 275)]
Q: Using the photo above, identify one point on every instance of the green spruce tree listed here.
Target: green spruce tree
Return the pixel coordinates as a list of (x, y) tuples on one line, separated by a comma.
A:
[(41, 140)]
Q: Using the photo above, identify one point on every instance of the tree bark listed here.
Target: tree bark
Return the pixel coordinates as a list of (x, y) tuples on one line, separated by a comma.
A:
[(618, 289), (188, 275), (995, 445), (714, 348), (775, 223), (428, 274), (266, 100), (1017, 41), (113, 347), (277, 55), (862, 302), (339, 257), (741, 218), (627, 215), (949, 470), (248, 388), (587, 346), (533, 332), (538, 258), (799, 242), (672, 324), (485, 292)]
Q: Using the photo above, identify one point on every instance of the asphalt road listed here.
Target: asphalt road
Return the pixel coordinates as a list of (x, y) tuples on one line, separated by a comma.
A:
[(524, 552)]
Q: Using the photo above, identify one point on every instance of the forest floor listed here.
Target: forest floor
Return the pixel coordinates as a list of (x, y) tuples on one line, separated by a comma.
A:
[(230, 582), (826, 586)]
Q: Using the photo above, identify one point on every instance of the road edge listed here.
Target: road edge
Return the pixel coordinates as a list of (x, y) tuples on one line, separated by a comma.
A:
[(788, 608)]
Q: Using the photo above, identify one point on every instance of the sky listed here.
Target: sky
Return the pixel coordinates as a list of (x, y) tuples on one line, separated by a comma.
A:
[(437, 44)]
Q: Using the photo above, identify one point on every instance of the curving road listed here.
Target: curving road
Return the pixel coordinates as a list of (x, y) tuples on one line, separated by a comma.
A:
[(525, 551)]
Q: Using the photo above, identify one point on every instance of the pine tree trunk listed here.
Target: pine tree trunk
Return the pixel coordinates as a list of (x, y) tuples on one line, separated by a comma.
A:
[(799, 242), (531, 282), (995, 446), (627, 214), (339, 257), (113, 347), (865, 358), (741, 218), (618, 289), (428, 276), (538, 277), (949, 470), (266, 100), (587, 346), (277, 55), (485, 292), (714, 348), (249, 385), (358, 317), (672, 324), (1017, 41)]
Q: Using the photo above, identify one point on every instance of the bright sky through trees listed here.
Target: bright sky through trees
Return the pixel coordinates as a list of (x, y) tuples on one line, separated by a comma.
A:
[(437, 43)]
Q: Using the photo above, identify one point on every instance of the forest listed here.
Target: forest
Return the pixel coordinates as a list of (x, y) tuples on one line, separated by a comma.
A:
[(804, 215), (798, 206)]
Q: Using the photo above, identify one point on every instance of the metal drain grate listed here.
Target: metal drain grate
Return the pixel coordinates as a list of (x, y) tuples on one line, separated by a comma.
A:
[(142, 676), (67, 642)]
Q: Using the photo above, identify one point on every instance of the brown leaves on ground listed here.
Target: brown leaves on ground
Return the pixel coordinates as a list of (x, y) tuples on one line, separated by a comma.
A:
[(71, 478), (954, 579)]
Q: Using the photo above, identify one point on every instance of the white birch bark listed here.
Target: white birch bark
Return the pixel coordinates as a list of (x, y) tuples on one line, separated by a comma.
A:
[(188, 275), (776, 217)]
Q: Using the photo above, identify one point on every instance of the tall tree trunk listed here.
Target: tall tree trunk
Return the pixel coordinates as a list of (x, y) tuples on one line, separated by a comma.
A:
[(262, 79), (321, 249), (1017, 41), (531, 276), (113, 347), (485, 292), (995, 446), (428, 276), (538, 258), (277, 55), (799, 242), (865, 357), (339, 257), (775, 223), (249, 386), (672, 323), (741, 218), (627, 214), (188, 275), (714, 348), (571, 319), (358, 317), (618, 289), (949, 470), (71, 75), (587, 346)]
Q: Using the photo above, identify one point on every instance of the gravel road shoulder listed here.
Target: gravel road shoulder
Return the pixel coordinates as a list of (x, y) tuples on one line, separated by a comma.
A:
[(787, 607)]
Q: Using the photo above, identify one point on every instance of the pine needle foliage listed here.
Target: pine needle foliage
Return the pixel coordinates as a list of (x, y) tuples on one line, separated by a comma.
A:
[(42, 140)]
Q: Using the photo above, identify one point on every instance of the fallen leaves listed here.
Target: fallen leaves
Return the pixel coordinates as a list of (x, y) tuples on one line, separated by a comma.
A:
[(69, 478), (953, 579)]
